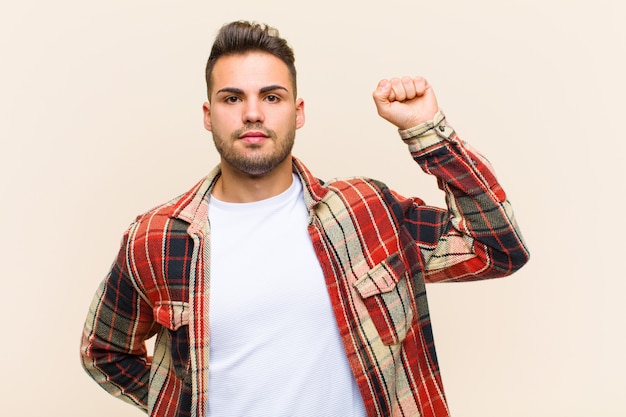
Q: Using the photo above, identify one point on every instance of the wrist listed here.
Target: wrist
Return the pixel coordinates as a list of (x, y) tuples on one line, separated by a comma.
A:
[(424, 128)]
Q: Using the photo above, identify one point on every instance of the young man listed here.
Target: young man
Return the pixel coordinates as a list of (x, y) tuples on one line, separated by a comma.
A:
[(272, 293)]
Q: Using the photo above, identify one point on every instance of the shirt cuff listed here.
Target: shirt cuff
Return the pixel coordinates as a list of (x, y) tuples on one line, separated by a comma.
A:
[(428, 134)]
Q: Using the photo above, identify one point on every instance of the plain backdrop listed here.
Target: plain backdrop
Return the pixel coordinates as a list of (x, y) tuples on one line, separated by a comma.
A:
[(100, 120)]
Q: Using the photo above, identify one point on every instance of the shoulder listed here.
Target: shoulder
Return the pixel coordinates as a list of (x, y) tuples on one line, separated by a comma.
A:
[(370, 197), (164, 219), (359, 188), (357, 197)]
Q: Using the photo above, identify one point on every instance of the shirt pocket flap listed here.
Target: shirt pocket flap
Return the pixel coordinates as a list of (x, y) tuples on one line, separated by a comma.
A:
[(382, 278), (171, 314), (387, 296)]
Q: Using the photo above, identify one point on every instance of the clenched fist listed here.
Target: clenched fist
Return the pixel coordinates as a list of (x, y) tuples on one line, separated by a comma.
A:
[(405, 102)]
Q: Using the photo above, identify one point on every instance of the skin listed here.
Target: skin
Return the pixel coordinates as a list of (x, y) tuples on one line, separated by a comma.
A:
[(253, 115), (405, 102)]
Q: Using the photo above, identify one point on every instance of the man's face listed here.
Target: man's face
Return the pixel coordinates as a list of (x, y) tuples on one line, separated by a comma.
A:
[(252, 113)]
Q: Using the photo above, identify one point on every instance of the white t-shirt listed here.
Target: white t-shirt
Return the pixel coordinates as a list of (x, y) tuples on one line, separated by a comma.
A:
[(275, 349)]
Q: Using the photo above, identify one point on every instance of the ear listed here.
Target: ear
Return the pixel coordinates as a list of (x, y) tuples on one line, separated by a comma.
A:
[(299, 113), (206, 109)]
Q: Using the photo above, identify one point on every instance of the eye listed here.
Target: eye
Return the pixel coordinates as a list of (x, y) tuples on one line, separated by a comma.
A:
[(272, 98), (231, 99)]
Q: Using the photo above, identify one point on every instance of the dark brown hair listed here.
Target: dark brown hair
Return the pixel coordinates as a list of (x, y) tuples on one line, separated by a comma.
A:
[(241, 37)]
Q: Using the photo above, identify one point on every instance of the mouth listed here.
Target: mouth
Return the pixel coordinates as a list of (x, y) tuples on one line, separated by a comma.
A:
[(253, 136)]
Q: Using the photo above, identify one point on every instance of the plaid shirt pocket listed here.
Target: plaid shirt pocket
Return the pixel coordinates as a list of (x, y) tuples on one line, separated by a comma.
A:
[(386, 295), (175, 317)]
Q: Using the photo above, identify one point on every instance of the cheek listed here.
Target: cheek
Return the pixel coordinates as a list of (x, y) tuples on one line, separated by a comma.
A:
[(286, 120), (224, 122)]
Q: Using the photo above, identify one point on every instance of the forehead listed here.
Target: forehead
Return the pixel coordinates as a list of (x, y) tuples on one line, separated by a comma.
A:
[(250, 71)]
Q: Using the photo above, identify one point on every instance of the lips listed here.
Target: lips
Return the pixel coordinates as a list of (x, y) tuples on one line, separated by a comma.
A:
[(253, 136)]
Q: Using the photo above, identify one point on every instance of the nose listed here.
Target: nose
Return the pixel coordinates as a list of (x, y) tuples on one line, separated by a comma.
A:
[(253, 112)]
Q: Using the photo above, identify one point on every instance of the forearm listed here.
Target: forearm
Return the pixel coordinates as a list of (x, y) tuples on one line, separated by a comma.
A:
[(113, 348), (481, 238), (121, 375)]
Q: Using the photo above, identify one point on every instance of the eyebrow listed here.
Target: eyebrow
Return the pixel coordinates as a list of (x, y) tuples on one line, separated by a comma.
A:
[(267, 89), (272, 88)]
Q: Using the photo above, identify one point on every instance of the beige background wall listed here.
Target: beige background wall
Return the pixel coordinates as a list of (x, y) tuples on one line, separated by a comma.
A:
[(100, 111)]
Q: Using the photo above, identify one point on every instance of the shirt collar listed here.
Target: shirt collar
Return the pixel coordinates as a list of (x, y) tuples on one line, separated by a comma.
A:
[(192, 207)]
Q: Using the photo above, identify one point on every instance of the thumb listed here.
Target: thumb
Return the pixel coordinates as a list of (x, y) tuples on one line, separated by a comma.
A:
[(383, 95)]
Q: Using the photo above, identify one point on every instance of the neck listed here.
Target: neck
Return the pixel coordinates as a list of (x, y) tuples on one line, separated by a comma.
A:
[(234, 186)]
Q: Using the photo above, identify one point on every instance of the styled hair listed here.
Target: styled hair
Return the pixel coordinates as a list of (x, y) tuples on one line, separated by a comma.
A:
[(241, 37)]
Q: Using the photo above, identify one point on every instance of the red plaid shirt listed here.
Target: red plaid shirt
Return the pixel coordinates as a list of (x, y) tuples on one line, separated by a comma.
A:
[(376, 248)]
